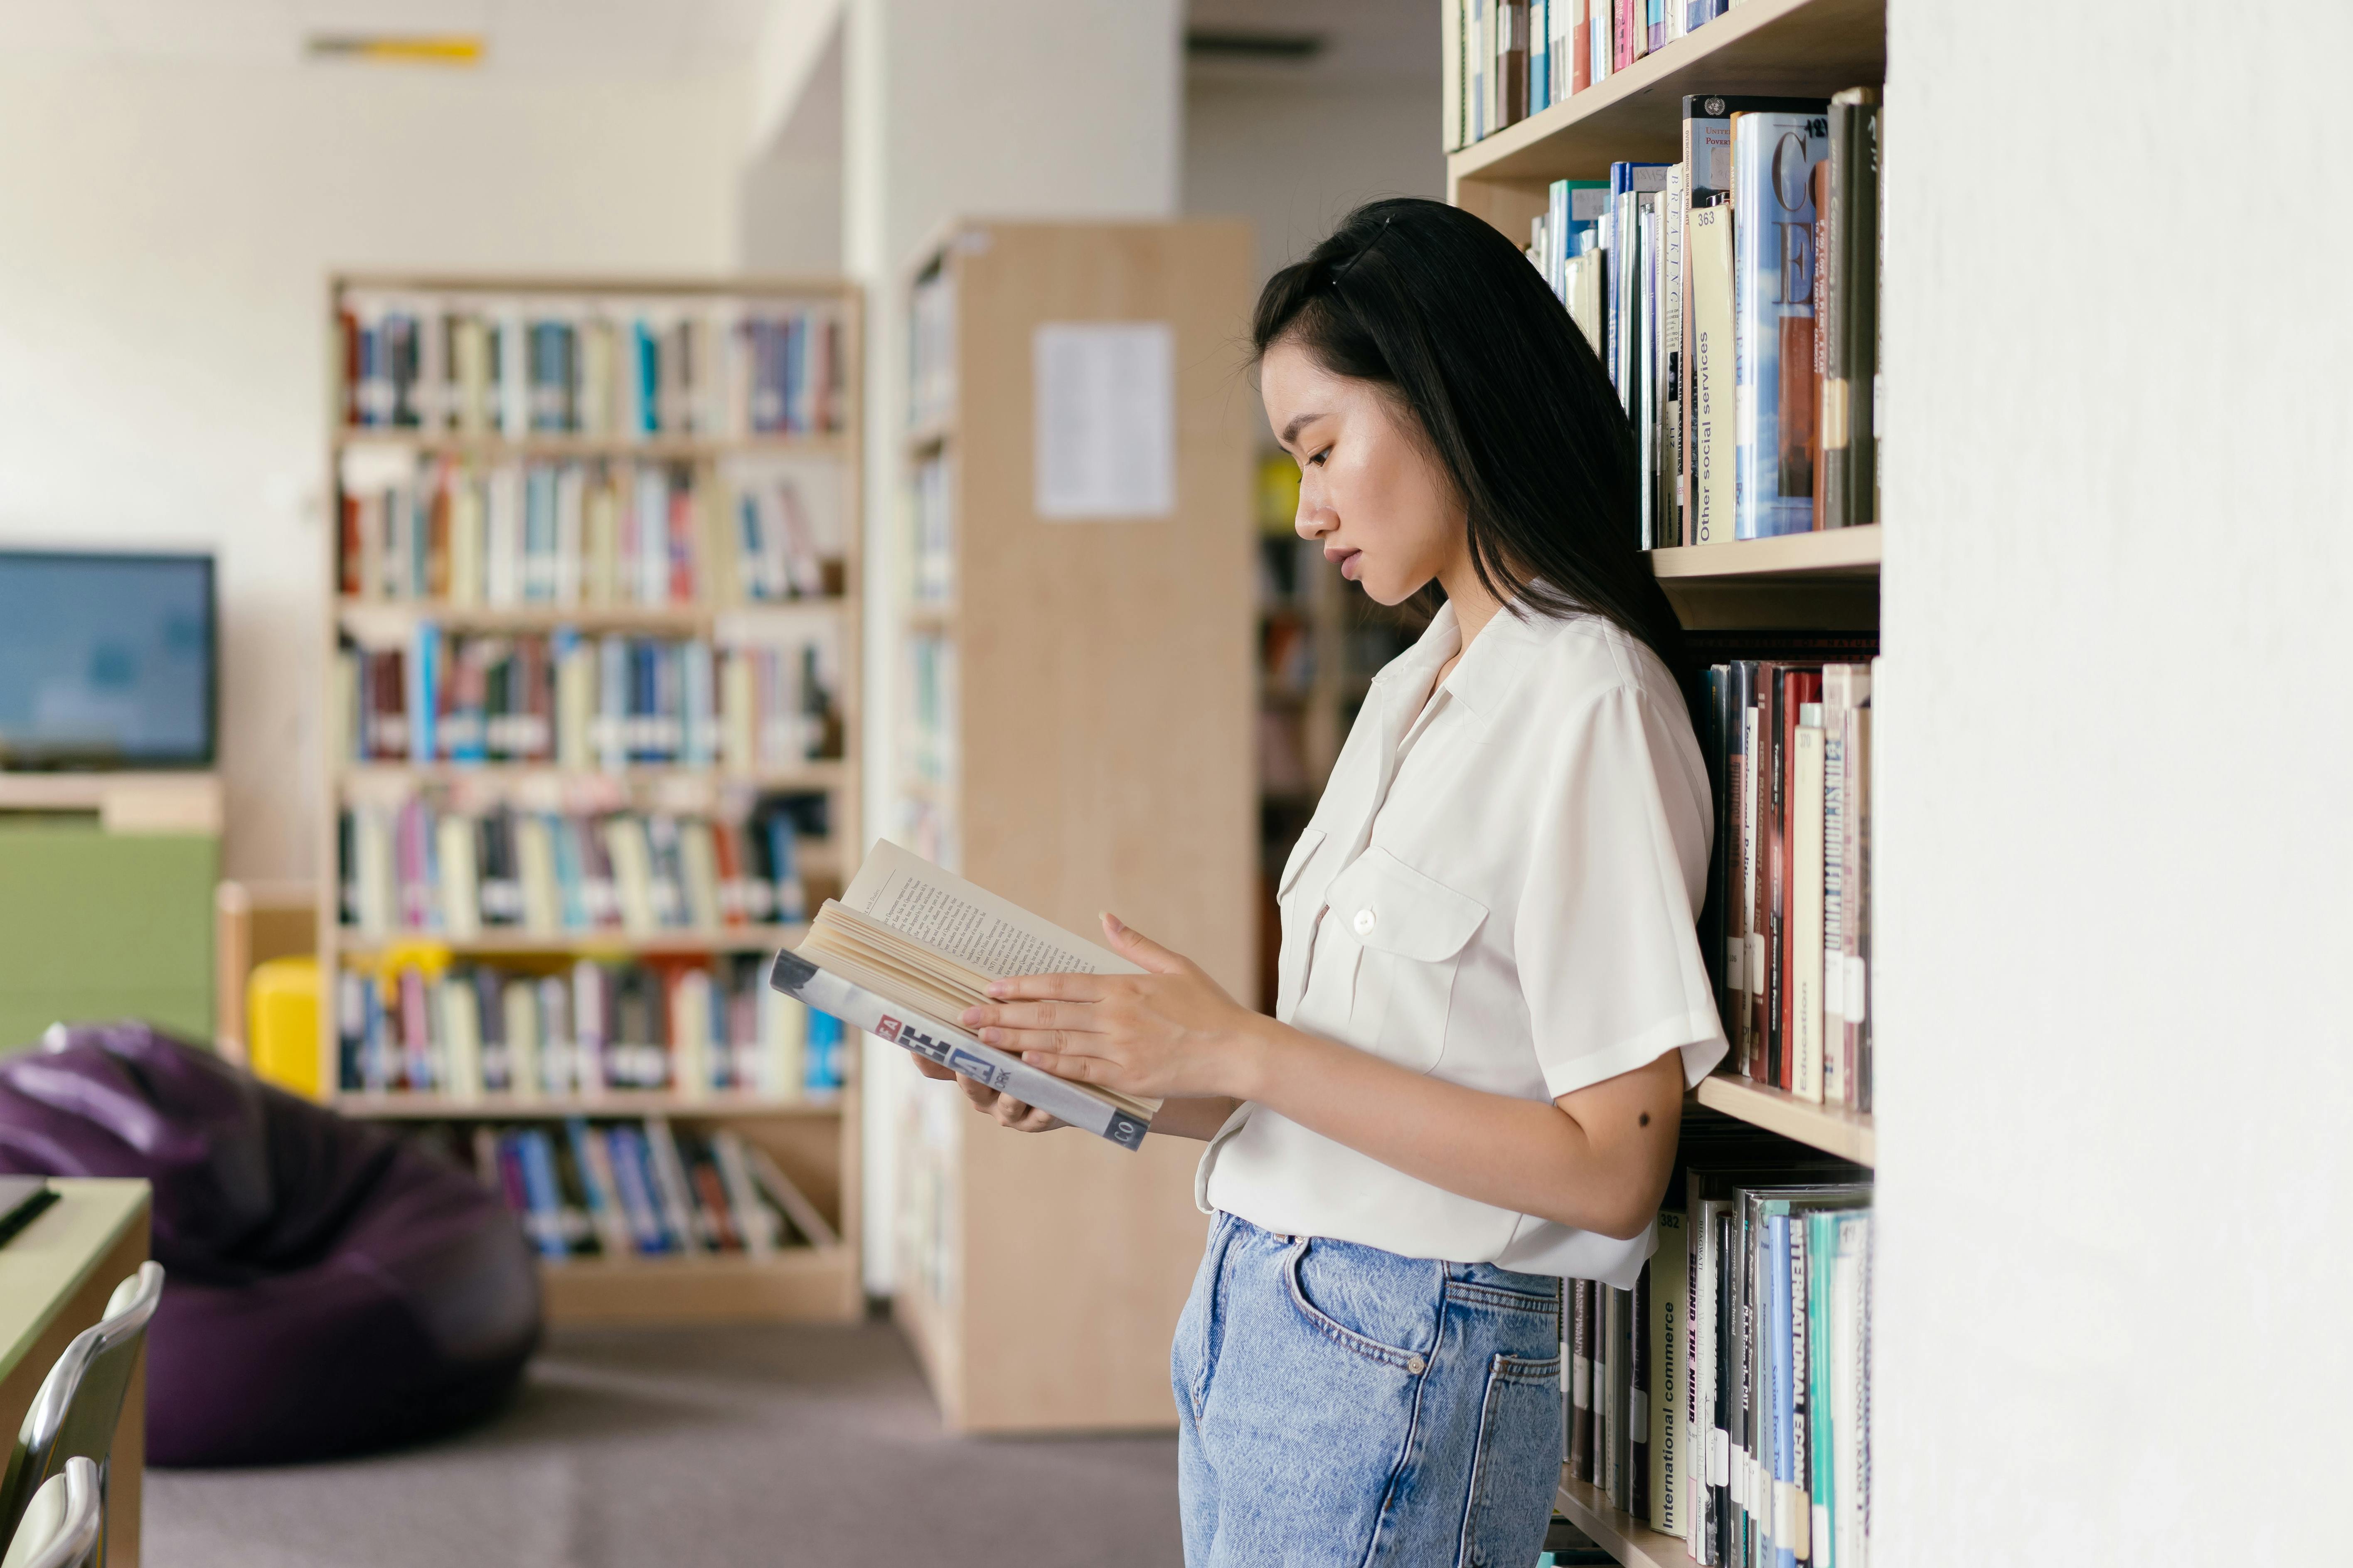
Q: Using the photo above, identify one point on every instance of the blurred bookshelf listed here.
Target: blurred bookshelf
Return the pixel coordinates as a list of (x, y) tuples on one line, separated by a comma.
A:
[(1072, 733), (593, 661)]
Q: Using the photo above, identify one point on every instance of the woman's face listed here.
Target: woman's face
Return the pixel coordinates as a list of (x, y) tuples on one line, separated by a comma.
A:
[(1369, 491)]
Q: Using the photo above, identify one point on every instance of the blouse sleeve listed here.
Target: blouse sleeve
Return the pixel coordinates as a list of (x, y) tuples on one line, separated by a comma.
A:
[(1605, 939)]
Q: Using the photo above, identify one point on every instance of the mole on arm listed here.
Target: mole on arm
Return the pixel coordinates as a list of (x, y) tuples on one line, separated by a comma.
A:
[(1646, 1119)]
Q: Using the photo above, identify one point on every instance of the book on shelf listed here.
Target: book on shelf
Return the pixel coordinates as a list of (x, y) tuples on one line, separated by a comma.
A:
[(581, 702), (1738, 1369), (1787, 923), (437, 862), (585, 532), (422, 1023), (600, 1189), (527, 365), (1733, 299), (908, 947)]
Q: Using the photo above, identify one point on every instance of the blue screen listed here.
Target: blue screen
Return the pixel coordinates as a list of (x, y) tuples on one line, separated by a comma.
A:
[(105, 659)]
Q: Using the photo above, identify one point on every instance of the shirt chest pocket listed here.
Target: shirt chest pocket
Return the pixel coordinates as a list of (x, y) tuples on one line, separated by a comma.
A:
[(1297, 898), (1414, 931)]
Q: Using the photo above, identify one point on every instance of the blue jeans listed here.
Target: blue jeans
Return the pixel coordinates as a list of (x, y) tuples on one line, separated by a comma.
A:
[(1338, 1405)]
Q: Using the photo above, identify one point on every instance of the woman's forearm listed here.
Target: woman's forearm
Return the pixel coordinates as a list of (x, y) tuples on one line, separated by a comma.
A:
[(1596, 1160), (1194, 1118)]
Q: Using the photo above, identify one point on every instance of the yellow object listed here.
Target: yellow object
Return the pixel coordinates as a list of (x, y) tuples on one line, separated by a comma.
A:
[(400, 48), (281, 1025), (1278, 494)]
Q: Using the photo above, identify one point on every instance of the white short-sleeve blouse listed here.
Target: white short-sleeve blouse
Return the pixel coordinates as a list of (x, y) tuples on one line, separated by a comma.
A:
[(1498, 889)]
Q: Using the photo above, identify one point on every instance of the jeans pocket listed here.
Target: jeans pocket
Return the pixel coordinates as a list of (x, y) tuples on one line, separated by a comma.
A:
[(1384, 1306), (1516, 1470)]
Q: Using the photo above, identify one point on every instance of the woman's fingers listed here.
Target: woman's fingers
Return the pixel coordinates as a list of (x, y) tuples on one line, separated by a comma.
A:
[(1049, 988), (1138, 948), (929, 1069), (1033, 1015), (1072, 1066)]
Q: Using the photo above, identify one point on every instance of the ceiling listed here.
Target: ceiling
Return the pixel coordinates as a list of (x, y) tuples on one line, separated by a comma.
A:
[(1363, 40), (531, 37)]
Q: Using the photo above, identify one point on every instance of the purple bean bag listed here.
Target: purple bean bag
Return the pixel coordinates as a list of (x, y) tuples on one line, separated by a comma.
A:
[(329, 1290)]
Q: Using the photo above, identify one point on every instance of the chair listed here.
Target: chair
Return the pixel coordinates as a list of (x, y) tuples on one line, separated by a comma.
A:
[(65, 1525), (75, 1413)]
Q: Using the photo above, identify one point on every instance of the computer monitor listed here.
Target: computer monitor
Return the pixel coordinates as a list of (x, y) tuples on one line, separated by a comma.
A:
[(107, 660)]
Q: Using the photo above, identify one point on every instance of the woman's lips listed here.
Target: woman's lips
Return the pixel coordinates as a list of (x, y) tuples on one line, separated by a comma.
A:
[(1351, 566)]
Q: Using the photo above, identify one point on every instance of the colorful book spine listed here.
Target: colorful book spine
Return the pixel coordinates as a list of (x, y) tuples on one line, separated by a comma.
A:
[(1773, 155)]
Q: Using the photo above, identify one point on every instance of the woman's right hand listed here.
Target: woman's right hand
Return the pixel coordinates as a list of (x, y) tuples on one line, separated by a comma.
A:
[(1008, 1112)]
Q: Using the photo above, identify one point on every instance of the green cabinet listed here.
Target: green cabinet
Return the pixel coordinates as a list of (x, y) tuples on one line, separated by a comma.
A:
[(97, 925)]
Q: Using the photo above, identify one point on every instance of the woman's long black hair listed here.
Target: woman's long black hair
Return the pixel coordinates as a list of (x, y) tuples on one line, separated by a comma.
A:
[(1440, 309)]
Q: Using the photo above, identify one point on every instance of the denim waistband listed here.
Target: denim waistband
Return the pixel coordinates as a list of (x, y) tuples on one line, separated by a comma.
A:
[(1464, 1281)]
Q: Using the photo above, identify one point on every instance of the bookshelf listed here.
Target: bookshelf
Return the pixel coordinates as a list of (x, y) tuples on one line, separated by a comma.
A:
[(1074, 734), (745, 415), (1823, 582)]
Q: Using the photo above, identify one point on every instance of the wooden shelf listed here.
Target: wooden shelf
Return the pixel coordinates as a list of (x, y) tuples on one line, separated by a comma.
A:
[(1632, 1543), (726, 939), (683, 448), (798, 1284), (1790, 47), (399, 1107), (363, 614), (930, 435), (1841, 554), (930, 617), (812, 776), (1832, 1129)]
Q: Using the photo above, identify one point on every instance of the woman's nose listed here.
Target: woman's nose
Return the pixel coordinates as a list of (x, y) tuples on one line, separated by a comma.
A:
[(1314, 520)]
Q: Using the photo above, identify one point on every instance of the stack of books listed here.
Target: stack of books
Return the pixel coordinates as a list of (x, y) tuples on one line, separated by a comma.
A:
[(576, 534), (615, 1190), (1787, 925), (1733, 298), (1507, 59), (575, 702), (515, 368), (1725, 1399), (423, 1025), (423, 866)]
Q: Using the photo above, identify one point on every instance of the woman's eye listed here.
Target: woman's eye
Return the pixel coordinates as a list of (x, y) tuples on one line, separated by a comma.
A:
[(1320, 456)]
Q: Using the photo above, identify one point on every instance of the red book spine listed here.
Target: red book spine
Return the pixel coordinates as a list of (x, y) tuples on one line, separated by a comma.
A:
[(1580, 54), (1798, 686), (351, 542), (350, 325), (681, 543), (1626, 28)]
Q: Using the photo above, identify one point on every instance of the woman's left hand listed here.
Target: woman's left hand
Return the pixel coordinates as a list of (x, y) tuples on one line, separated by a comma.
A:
[(1170, 1033)]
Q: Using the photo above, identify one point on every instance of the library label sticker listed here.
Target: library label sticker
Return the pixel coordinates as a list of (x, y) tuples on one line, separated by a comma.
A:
[(1106, 419)]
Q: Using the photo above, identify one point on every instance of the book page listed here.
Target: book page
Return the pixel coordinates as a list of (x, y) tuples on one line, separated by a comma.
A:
[(898, 888)]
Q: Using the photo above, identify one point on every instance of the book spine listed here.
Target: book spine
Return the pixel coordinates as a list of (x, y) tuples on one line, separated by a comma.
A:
[(1773, 158), (1580, 1386), (1805, 984), (1640, 1372), (1670, 1307), (1450, 54), (955, 1050)]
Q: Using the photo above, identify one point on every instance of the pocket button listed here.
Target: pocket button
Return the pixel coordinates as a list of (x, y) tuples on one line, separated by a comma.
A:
[(1414, 1364), (1366, 920)]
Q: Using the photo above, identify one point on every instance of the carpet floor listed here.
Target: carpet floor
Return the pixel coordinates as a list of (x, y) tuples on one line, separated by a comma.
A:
[(679, 1448)]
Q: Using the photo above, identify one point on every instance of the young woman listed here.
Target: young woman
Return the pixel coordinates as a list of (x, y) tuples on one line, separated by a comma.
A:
[(1492, 996)]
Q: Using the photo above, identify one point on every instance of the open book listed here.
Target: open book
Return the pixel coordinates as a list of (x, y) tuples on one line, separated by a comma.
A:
[(908, 947)]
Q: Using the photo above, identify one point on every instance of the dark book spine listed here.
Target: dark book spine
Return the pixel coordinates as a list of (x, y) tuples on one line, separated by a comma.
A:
[(1832, 499), (1860, 364), (1761, 924), (1641, 1396)]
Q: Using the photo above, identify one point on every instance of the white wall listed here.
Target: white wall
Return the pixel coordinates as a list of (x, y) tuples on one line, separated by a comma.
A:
[(2115, 1075), (1293, 159), (165, 232)]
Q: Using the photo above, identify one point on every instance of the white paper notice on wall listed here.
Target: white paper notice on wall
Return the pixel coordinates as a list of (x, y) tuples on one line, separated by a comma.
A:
[(1106, 419)]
